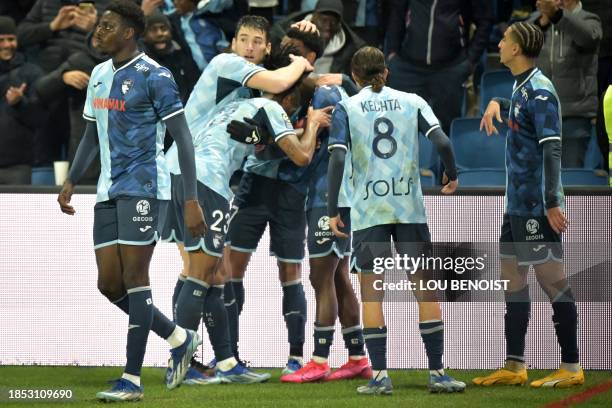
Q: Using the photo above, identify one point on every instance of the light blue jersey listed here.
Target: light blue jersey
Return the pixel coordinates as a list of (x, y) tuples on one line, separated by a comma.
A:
[(223, 81), (381, 131), (218, 156), (129, 105)]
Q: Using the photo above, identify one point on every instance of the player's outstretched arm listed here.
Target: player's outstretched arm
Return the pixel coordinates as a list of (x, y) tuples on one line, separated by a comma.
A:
[(281, 79), (194, 217), (300, 150), (552, 175), (335, 172), (86, 152)]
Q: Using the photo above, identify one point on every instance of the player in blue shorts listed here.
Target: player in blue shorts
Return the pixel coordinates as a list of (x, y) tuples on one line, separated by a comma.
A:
[(130, 102), (217, 158), (379, 126), (534, 211)]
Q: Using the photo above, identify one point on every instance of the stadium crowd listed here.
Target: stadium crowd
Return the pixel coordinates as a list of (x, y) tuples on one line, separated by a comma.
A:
[(47, 53)]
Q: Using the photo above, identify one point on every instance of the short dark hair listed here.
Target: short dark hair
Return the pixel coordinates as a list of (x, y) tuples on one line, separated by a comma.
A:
[(254, 22), (312, 41), (368, 64), (529, 37), (279, 58), (130, 13)]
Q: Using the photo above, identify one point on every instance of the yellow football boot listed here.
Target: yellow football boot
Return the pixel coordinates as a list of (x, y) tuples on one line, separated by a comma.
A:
[(560, 379), (502, 377)]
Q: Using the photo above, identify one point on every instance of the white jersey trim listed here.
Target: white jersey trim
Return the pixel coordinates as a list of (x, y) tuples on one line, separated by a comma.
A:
[(283, 134), (549, 138), (431, 129), (173, 114)]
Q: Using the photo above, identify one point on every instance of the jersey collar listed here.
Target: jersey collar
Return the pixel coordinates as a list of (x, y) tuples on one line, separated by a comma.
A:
[(140, 55)]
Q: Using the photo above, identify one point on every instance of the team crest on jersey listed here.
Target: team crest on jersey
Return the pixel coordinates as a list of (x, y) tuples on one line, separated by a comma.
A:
[(143, 207), (516, 110), (126, 86), (217, 240)]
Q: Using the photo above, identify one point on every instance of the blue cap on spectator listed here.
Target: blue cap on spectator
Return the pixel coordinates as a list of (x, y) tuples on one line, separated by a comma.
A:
[(7, 26)]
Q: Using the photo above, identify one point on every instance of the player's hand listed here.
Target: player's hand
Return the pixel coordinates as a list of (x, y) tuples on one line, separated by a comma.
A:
[(76, 79), (449, 186), (493, 111), (64, 18), (335, 223), (299, 59), (65, 196), (249, 132), (194, 218), (15, 94), (320, 117), (305, 26), (557, 220), (329, 79), (149, 6)]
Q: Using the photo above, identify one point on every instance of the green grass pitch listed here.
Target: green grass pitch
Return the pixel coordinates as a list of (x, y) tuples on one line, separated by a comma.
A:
[(409, 391)]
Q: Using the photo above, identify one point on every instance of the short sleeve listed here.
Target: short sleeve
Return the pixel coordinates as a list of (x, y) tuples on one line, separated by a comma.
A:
[(277, 121), (544, 107), (164, 94), (339, 131), (325, 96), (88, 110), (236, 68)]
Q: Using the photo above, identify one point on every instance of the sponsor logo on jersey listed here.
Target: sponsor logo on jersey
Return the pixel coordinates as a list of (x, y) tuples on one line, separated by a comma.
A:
[(109, 104)]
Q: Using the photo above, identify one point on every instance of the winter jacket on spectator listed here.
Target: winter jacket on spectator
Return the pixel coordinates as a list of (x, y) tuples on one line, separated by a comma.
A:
[(569, 59), (55, 47), (436, 33), (18, 122), (603, 9)]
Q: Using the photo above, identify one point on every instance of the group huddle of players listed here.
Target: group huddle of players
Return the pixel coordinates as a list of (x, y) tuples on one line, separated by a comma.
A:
[(304, 168)]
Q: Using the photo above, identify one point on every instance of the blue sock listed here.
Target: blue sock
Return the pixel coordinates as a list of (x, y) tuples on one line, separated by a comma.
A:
[(323, 338), (516, 320), (432, 333), (565, 318), (238, 288), (376, 342), (162, 326), (215, 319), (190, 303), (294, 311), (141, 318), (232, 316), (353, 340), (175, 295)]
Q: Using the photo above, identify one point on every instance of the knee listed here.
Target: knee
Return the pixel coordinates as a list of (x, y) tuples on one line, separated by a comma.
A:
[(320, 280), (111, 290), (288, 272)]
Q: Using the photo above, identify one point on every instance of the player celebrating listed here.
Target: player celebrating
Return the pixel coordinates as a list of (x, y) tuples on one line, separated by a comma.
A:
[(533, 218), (130, 101), (380, 127)]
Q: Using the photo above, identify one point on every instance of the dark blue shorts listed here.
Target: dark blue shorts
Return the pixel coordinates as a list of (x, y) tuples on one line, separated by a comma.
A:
[(321, 239), (129, 221), (530, 240)]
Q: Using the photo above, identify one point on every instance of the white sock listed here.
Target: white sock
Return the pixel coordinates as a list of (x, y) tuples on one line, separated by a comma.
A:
[(357, 357), (571, 367), (227, 364), (379, 374), (298, 359), (132, 378), (319, 360), (437, 373), (178, 337)]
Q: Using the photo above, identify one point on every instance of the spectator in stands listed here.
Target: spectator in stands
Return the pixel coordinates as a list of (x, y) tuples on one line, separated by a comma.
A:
[(150, 6), (195, 32), (159, 45), (340, 41), (603, 9), (58, 29), (69, 82), (569, 59), (16, 9), (430, 52), (263, 8), (20, 114)]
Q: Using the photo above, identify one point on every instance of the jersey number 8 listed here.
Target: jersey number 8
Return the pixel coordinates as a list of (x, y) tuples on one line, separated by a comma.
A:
[(384, 139)]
